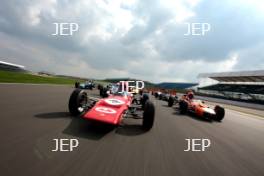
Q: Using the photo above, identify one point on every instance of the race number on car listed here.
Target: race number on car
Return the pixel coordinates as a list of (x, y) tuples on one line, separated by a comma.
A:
[(114, 101), (105, 110)]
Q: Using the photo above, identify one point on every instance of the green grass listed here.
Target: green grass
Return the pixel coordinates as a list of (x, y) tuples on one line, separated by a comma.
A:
[(15, 77), (102, 82)]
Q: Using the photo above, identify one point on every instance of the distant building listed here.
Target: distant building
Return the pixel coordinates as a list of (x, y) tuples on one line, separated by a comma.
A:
[(46, 73), (11, 67), (171, 85), (243, 85)]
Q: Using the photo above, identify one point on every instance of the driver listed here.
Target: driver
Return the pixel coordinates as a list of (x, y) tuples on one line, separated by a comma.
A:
[(117, 89), (189, 95)]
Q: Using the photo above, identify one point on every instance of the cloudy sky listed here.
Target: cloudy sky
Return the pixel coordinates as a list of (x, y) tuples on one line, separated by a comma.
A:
[(141, 39)]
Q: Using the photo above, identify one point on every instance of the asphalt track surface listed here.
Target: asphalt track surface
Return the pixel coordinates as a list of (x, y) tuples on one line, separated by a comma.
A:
[(33, 115)]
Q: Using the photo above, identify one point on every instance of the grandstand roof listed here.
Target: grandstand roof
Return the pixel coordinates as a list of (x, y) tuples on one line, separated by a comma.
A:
[(242, 88), (12, 65), (242, 76)]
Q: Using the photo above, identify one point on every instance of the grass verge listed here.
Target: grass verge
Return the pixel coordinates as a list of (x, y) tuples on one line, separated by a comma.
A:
[(16, 77)]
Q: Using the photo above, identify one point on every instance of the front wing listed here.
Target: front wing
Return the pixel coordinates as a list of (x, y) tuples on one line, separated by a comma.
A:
[(105, 114)]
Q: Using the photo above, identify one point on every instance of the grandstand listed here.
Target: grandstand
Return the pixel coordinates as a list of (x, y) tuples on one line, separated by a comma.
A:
[(11, 67), (243, 86)]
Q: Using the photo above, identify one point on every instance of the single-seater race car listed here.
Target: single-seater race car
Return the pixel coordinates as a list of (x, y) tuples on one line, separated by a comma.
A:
[(86, 85), (157, 94), (110, 110), (200, 109), (166, 95), (173, 99)]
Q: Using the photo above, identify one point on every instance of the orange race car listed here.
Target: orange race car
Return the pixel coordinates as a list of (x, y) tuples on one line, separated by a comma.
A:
[(188, 104)]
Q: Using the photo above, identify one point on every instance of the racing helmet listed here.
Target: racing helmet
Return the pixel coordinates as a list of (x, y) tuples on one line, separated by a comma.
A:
[(190, 94)]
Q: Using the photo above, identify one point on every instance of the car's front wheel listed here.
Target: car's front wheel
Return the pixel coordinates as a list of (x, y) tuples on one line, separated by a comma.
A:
[(77, 102), (170, 101), (77, 85), (183, 106), (144, 99), (148, 115), (219, 113)]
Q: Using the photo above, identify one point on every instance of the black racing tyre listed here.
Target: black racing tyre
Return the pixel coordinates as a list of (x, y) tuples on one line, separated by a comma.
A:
[(103, 92), (99, 86), (148, 115), (183, 106), (219, 113), (170, 101), (77, 85), (144, 99), (78, 100)]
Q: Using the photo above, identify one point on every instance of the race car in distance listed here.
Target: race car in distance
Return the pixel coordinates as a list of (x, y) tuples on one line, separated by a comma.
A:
[(173, 99), (200, 109), (110, 110), (167, 95), (164, 96), (86, 85), (157, 94)]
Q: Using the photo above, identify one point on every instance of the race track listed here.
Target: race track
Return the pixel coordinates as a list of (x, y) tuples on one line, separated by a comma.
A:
[(33, 115)]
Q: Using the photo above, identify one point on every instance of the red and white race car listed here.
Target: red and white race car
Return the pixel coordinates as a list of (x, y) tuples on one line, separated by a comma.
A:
[(110, 110), (200, 109), (187, 104)]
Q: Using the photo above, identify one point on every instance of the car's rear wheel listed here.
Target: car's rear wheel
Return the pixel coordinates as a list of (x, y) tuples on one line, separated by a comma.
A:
[(148, 115), (220, 113), (183, 106), (170, 101), (143, 100), (99, 86), (103, 92), (78, 101), (77, 85)]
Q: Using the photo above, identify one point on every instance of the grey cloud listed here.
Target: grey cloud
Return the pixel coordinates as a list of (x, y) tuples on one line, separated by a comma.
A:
[(235, 29), (232, 28), (251, 58), (97, 52), (153, 15)]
